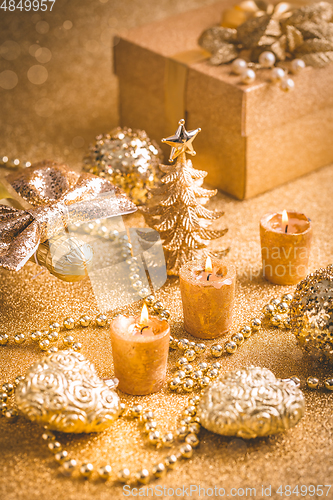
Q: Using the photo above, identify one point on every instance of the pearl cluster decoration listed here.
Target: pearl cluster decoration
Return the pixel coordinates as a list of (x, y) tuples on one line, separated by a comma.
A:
[(267, 60), (240, 67)]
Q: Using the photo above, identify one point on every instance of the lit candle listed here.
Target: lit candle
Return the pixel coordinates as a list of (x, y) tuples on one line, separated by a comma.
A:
[(142, 327), (285, 247), (285, 221), (208, 291), (140, 347)]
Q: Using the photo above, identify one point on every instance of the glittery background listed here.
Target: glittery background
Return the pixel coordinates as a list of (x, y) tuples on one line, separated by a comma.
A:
[(83, 93)]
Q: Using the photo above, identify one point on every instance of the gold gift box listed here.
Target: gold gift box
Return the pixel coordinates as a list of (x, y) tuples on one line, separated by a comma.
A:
[(253, 137)]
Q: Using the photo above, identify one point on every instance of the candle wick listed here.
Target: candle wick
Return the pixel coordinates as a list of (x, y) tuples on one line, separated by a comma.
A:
[(208, 276), (143, 328), (286, 230)]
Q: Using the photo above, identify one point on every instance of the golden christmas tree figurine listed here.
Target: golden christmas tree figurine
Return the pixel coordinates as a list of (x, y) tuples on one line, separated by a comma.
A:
[(176, 209)]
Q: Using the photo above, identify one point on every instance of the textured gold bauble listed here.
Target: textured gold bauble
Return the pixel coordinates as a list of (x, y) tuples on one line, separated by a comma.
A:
[(311, 314), (128, 159), (63, 392), (250, 403)]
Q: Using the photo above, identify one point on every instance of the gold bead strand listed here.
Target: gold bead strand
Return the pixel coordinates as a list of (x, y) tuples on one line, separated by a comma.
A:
[(189, 435)]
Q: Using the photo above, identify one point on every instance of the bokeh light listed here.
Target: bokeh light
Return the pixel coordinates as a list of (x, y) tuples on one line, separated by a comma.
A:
[(68, 25), (8, 79), (43, 55), (42, 27), (33, 49), (37, 74), (10, 50)]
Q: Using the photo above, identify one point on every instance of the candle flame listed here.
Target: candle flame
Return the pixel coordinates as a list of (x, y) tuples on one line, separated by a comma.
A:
[(284, 217), (144, 316), (208, 266)]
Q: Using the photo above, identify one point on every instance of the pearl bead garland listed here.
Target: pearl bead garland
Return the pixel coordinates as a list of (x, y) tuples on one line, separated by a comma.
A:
[(13, 163), (187, 431), (267, 59), (191, 378), (188, 378)]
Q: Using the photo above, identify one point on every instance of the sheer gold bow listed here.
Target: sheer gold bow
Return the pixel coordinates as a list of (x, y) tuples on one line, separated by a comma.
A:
[(50, 196)]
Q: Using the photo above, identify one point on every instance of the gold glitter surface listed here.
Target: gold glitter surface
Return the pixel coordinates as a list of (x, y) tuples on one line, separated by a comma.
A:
[(83, 100), (301, 456)]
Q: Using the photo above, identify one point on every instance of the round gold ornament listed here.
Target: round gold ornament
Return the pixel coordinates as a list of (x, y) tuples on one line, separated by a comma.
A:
[(311, 314), (66, 257), (250, 403), (128, 159), (63, 392)]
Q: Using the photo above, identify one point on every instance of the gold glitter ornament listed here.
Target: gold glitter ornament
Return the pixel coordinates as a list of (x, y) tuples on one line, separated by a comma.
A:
[(63, 391), (311, 314), (250, 403), (128, 159)]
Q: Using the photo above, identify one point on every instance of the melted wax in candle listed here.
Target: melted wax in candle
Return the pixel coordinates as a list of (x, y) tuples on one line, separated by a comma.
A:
[(208, 278), (144, 330), (295, 224)]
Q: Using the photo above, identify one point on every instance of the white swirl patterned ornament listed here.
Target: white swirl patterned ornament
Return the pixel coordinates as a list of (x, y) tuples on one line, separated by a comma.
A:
[(250, 403), (63, 392)]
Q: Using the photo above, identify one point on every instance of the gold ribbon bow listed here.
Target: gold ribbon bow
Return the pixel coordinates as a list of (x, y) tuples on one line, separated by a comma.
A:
[(238, 14), (51, 196)]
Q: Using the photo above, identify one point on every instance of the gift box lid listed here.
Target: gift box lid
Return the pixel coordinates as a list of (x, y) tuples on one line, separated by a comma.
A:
[(144, 55)]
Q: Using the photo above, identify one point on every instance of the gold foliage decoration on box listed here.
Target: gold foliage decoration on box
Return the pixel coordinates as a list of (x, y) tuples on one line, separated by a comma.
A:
[(305, 33)]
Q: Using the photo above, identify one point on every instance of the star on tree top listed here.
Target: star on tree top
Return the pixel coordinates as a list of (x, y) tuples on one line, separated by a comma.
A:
[(181, 142)]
